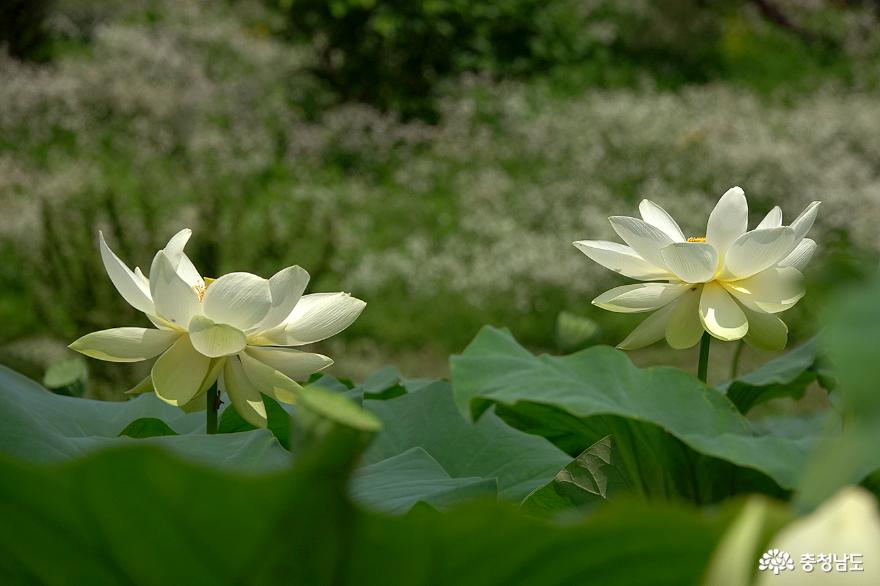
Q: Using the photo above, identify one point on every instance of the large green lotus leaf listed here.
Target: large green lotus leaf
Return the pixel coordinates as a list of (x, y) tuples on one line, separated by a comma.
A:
[(589, 479), (140, 516), (786, 376), (489, 449), (73, 416), (40, 426), (659, 417), (399, 482)]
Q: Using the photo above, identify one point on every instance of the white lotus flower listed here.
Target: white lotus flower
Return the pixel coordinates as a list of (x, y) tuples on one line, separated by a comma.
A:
[(730, 283), (238, 328)]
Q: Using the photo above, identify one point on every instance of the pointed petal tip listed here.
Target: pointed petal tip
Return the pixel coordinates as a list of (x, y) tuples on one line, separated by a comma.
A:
[(180, 237), (360, 302)]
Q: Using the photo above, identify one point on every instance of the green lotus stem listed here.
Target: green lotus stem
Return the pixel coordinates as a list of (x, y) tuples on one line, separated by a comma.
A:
[(734, 368), (703, 368), (212, 406)]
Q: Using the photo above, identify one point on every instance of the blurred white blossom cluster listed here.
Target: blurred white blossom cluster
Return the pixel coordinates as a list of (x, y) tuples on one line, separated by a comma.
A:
[(552, 170)]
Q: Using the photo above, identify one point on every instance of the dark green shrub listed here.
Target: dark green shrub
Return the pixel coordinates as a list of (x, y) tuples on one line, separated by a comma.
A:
[(23, 28), (392, 53)]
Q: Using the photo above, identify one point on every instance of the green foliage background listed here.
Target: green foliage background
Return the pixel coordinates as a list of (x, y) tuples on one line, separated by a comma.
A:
[(435, 158)]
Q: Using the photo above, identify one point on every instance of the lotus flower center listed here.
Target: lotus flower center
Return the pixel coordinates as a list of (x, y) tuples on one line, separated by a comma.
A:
[(697, 239), (200, 291)]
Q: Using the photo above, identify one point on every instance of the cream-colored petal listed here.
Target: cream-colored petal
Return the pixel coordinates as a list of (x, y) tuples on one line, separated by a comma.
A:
[(163, 324), (269, 380), (770, 291), (294, 364), (757, 250), (244, 395), (177, 242), (214, 370), (640, 297), (720, 314), (213, 339), (240, 300), (180, 261), (129, 285), (773, 219), (125, 344), (188, 272), (316, 317), (804, 222), (144, 386), (179, 373), (621, 259), (801, 256), (659, 218), (728, 221), (692, 262), (766, 331), (684, 328), (643, 238), (651, 330), (175, 300), (286, 288), (145, 282), (199, 403)]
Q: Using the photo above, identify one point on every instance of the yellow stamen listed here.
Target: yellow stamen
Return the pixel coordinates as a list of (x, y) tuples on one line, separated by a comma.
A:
[(697, 239), (200, 289)]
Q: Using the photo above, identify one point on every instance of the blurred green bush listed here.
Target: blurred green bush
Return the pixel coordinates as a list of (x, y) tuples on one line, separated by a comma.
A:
[(395, 54)]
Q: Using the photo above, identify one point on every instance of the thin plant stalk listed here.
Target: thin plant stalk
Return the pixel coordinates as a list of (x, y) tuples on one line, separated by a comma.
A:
[(734, 367), (213, 404), (703, 367)]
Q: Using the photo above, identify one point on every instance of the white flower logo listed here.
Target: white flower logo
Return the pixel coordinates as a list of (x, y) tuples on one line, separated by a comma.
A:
[(776, 561)]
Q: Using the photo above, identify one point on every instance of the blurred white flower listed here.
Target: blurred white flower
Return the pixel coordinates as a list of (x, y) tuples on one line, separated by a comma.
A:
[(238, 328), (731, 282)]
